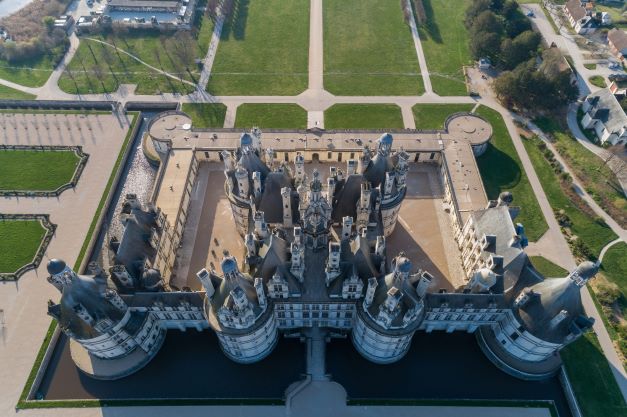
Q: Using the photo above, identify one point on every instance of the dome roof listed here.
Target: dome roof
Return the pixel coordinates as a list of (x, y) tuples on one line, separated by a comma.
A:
[(386, 139), (228, 265), (506, 197), (587, 269), (486, 277), (245, 140), (56, 266), (151, 278), (403, 264)]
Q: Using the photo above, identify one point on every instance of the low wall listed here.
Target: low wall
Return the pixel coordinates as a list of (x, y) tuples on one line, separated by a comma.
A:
[(57, 104)]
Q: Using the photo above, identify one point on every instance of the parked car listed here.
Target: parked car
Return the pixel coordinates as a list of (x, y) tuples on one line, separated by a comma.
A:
[(530, 13)]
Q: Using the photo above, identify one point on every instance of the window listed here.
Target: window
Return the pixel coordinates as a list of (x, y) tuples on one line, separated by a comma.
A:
[(329, 155)]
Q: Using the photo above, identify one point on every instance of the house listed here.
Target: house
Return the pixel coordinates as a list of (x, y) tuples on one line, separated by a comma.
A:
[(617, 41), (604, 114), (485, 63), (581, 18)]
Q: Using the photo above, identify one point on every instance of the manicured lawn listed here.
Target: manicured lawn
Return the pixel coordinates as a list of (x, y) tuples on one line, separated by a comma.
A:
[(33, 72), (36, 170), (547, 268), (598, 81), (263, 50), (12, 94), (598, 180), (433, 116), (614, 265), (368, 49), (363, 116), (271, 116), (615, 12), (19, 241), (445, 42), (590, 66), (593, 233), (205, 114), (596, 390), (501, 170), (100, 68)]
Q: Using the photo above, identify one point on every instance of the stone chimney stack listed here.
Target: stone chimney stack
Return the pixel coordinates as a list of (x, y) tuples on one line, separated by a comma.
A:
[(380, 246), (241, 176), (257, 184), (299, 168), (286, 195), (372, 287), (347, 225), (205, 280), (351, 167), (330, 190), (261, 228), (261, 296)]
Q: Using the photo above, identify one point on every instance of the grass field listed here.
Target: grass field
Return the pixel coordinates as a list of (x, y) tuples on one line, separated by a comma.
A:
[(205, 114), (8, 93), (593, 233), (445, 43), (598, 81), (614, 265), (363, 116), (36, 170), (271, 116), (598, 180), (368, 49), (547, 268), (263, 50), (100, 68), (433, 116), (501, 170), (596, 390), (19, 241), (33, 72)]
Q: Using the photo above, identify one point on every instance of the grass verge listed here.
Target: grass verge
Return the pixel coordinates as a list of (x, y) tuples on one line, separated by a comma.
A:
[(8, 93), (501, 170), (547, 268), (205, 114), (445, 43), (271, 116), (433, 116), (368, 49), (363, 116)]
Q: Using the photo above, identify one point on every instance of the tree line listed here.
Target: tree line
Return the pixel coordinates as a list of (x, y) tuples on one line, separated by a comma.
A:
[(533, 78)]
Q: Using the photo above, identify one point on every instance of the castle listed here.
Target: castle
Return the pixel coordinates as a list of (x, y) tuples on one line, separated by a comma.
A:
[(316, 256)]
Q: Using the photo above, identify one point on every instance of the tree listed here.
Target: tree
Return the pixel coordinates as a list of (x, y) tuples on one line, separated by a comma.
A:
[(485, 44), (487, 21), (48, 22), (475, 9), (519, 50)]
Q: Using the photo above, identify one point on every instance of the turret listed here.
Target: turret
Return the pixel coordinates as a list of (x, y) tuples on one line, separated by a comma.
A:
[(286, 195), (60, 274), (384, 145), (241, 176)]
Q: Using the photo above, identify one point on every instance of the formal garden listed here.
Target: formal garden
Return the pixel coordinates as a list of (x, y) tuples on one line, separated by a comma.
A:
[(363, 116), (271, 116), (23, 241)]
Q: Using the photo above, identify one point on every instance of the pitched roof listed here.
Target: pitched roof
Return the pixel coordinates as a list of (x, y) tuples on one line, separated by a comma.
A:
[(607, 109), (618, 37), (575, 10)]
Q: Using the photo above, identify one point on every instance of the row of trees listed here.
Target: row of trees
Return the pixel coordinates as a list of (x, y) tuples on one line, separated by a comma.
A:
[(500, 31)]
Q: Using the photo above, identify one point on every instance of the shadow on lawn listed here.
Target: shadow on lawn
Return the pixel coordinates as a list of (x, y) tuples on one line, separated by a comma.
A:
[(430, 29), (235, 24), (499, 171)]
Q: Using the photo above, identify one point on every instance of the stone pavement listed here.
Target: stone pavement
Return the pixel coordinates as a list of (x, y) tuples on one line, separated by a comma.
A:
[(24, 301)]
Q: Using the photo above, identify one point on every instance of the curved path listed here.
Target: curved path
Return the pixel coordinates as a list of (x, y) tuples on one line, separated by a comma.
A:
[(607, 247)]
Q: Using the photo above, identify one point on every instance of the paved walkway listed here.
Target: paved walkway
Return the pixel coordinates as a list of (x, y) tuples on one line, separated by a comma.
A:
[(211, 52), (426, 79)]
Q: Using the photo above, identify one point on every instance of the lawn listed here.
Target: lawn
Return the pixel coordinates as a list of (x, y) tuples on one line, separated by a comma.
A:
[(593, 233), (614, 265), (101, 68), (590, 66), (33, 72), (263, 50), (445, 43), (8, 93), (205, 114), (433, 116), (19, 241), (271, 116), (597, 81), (368, 49), (596, 389), (501, 170), (615, 11), (36, 170), (598, 180), (547, 268), (363, 116)]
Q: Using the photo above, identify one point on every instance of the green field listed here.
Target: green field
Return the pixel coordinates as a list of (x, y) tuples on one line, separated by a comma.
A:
[(547, 268), (614, 265), (8, 93), (596, 389), (433, 116), (205, 114), (368, 49), (501, 170), (445, 43), (598, 81), (33, 72), (101, 68), (19, 241), (36, 170), (271, 116), (363, 116), (263, 50), (599, 181), (595, 234)]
